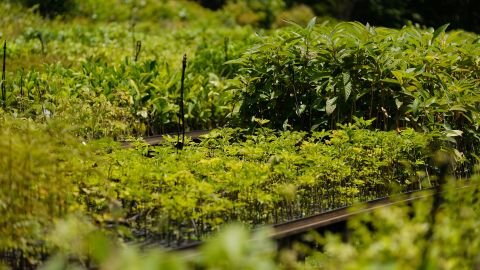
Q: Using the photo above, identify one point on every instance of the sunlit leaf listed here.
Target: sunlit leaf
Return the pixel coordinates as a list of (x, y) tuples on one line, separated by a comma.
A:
[(347, 85), (311, 24), (439, 30), (331, 105)]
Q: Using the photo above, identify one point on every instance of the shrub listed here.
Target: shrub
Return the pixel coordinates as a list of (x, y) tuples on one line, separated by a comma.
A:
[(314, 77), (39, 169)]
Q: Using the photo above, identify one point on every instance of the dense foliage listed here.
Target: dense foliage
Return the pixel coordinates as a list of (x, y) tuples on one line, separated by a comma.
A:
[(312, 78), (390, 13), (37, 182), (400, 241), (157, 193), (311, 117), (258, 178), (315, 77), (87, 75)]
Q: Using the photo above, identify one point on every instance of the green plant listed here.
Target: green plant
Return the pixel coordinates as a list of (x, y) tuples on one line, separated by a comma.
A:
[(313, 77), (390, 237), (396, 237), (259, 178), (41, 165)]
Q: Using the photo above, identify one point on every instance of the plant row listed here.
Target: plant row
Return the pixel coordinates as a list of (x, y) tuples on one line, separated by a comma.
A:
[(405, 236), (168, 196), (91, 75)]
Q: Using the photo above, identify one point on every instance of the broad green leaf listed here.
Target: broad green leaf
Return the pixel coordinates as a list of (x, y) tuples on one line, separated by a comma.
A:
[(399, 74), (239, 61), (410, 70), (331, 105), (135, 87), (398, 103), (347, 85), (260, 121), (301, 109), (311, 24), (429, 102), (458, 108), (292, 23), (453, 133), (414, 106), (439, 30), (387, 80)]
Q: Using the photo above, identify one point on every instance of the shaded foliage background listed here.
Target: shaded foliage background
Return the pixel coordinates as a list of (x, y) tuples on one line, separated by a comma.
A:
[(462, 14)]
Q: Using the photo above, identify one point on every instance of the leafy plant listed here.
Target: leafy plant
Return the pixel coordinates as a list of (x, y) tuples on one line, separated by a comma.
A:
[(313, 77), (40, 171)]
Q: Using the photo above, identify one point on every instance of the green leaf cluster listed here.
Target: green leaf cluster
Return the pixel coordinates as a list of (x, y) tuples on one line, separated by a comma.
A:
[(255, 178), (316, 76), (41, 166)]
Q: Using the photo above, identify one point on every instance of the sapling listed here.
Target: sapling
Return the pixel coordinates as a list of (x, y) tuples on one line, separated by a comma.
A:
[(182, 109)]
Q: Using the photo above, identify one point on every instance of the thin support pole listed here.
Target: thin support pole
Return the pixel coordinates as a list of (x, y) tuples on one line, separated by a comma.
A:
[(182, 109)]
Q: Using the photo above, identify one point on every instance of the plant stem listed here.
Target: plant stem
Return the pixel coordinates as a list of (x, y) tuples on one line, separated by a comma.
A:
[(226, 41), (138, 48), (42, 42), (297, 108), (21, 84)]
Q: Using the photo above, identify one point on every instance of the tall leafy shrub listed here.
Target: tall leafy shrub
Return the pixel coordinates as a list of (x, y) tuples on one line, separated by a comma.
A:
[(314, 77)]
